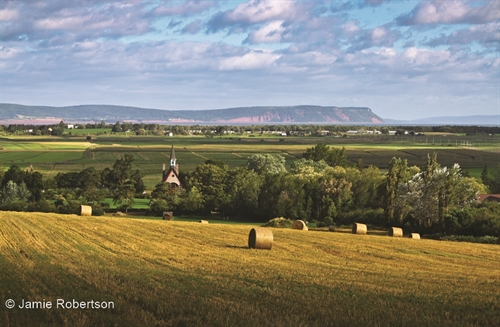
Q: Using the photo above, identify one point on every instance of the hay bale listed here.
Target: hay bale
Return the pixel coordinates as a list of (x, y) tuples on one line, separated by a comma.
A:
[(168, 215), (300, 225), (360, 229), (331, 228), (203, 221), (396, 232), (260, 238), (85, 210), (415, 236)]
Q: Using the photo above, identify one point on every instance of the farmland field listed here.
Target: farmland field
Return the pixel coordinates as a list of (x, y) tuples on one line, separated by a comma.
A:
[(159, 273), (51, 155)]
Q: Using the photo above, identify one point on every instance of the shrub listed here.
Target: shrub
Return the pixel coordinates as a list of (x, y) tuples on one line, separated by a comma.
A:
[(279, 222), (41, 206), (328, 221), (97, 209), (464, 238), (373, 217), (158, 206), (14, 206)]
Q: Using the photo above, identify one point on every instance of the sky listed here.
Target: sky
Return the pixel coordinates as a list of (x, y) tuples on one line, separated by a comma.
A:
[(403, 59)]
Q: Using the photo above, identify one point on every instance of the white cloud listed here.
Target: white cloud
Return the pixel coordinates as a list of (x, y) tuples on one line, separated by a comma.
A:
[(350, 27), (60, 23), (258, 11), (451, 12), (6, 53), (125, 52), (270, 33), (423, 57), (186, 8), (7, 15), (487, 35), (249, 61)]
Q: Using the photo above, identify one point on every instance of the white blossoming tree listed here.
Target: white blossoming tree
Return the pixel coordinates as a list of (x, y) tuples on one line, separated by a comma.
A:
[(429, 195)]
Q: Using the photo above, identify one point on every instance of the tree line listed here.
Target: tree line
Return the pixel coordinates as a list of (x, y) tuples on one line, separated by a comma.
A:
[(321, 187), (309, 129), (25, 190)]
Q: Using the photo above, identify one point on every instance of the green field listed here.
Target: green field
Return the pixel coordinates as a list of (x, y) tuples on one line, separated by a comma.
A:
[(160, 273), (51, 155)]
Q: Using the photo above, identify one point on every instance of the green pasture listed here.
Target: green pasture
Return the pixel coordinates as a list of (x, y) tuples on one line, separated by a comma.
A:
[(138, 203), (51, 155), (84, 131)]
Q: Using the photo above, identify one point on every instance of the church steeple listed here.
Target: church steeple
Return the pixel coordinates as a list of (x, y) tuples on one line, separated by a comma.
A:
[(172, 158), (172, 175)]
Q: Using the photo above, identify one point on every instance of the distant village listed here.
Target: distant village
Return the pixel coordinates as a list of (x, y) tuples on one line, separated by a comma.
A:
[(279, 130)]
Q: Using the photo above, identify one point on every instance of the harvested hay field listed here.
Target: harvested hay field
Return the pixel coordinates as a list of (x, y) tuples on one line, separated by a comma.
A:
[(189, 274)]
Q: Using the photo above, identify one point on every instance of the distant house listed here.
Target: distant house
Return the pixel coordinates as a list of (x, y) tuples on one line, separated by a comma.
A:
[(488, 197), (352, 132), (71, 126), (392, 132)]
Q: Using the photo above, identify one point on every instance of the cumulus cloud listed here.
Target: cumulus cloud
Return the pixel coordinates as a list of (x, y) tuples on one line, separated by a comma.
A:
[(187, 8), (487, 35), (381, 36), (193, 27), (450, 12), (270, 33), (257, 12), (375, 2), (7, 15), (327, 53), (251, 60), (45, 19)]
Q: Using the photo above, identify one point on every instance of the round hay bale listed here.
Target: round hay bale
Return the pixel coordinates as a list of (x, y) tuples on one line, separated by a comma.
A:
[(203, 221), (331, 228), (396, 232), (85, 210), (260, 238), (415, 236), (168, 215), (360, 229), (300, 225)]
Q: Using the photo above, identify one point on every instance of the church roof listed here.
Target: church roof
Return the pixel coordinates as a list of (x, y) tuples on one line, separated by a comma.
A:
[(172, 153)]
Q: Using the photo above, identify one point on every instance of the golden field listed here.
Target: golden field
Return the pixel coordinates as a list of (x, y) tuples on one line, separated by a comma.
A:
[(160, 273)]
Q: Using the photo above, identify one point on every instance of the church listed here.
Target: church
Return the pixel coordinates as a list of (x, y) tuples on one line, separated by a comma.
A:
[(172, 175)]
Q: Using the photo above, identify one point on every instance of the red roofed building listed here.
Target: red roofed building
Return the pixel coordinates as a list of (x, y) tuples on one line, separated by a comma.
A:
[(488, 197)]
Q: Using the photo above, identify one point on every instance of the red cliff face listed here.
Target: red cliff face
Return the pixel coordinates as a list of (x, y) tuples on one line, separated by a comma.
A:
[(258, 119)]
